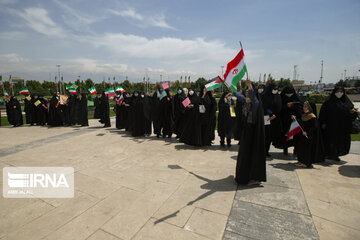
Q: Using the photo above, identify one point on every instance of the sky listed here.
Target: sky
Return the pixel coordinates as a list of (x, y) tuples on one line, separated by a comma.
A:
[(167, 39)]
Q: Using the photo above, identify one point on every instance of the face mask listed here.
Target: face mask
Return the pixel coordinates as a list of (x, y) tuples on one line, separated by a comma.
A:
[(179, 91), (289, 94), (260, 90), (274, 91), (136, 94), (191, 92), (339, 94), (142, 96)]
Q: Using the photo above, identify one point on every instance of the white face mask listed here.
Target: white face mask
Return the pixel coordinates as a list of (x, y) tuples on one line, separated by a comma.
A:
[(339, 94), (289, 94), (274, 91), (142, 96), (260, 90), (191, 92)]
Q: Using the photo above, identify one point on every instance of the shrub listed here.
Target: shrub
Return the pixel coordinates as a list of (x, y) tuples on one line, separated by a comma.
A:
[(318, 98)]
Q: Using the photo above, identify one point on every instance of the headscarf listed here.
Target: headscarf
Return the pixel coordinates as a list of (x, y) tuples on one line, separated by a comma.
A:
[(308, 115)]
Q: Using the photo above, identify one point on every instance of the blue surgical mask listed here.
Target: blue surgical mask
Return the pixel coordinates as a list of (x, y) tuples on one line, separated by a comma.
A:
[(179, 91), (136, 94)]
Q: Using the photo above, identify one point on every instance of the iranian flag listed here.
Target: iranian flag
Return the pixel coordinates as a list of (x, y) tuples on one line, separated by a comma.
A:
[(235, 71), (72, 90), (214, 84), (6, 94), (92, 90), (119, 101), (24, 91), (119, 89), (110, 92), (294, 129)]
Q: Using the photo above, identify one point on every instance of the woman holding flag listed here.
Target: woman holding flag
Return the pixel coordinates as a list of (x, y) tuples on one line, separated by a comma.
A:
[(251, 160)]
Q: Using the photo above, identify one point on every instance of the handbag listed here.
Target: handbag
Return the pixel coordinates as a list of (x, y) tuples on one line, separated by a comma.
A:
[(355, 129), (202, 109)]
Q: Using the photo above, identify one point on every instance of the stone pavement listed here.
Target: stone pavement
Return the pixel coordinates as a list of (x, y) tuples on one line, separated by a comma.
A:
[(149, 188)]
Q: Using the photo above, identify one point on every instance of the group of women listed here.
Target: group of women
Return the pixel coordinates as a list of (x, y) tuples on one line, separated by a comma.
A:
[(256, 118)]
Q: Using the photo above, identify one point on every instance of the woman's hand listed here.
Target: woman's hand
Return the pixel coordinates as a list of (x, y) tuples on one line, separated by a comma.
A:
[(272, 117)]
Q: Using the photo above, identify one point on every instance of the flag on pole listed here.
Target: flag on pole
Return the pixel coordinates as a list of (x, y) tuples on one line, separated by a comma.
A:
[(235, 71), (218, 82), (72, 90), (110, 92), (24, 91), (119, 89), (92, 90), (293, 130), (6, 94)]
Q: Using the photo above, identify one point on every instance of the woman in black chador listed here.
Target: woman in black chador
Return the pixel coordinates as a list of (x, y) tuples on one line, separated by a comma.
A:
[(121, 114), (55, 118), (97, 107), (271, 102), (226, 122), (308, 143), (13, 111), (192, 129), (206, 116), (83, 110), (179, 111), (291, 105), (41, 111), (166, 114), (336, 116), (30, 110), (251, 160), (105, 110), (155, 103)]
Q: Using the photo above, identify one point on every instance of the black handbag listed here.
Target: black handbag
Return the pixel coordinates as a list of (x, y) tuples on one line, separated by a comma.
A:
[(355, 129)]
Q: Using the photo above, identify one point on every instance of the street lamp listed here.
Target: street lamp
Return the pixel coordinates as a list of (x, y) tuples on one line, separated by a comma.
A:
[(58, 66)]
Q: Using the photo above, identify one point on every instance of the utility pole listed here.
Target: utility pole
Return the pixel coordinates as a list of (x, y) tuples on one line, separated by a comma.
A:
[(321, 75), (295, 72), (344, 74)]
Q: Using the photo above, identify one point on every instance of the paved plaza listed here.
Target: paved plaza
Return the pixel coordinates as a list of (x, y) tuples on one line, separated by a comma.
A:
[(150, 188)]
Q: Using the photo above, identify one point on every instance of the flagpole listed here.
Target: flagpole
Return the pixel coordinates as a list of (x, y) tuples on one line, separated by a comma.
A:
[(247, 75)]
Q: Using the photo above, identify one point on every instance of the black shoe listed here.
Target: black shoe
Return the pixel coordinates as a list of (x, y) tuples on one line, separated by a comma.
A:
[(222, 144), (285, 151), (335, 159), (229, 144), (157, 135)]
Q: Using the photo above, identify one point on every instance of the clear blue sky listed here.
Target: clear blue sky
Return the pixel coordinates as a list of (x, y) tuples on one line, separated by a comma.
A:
[(97, 39)]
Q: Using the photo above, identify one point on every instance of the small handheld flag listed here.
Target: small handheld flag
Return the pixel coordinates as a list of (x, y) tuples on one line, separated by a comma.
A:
[(215, 84), (92, 90)]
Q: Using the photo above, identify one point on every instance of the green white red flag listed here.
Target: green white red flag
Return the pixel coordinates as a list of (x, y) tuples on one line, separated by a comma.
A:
[(235, 71), (218, 82), (24, 91), (110, 92), (92, 90), (72, 90), (6, 94), (294, 129), (119, 89)]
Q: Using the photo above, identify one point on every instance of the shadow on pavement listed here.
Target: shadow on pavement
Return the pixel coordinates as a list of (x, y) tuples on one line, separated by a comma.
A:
[(220, 185), (351, 171)]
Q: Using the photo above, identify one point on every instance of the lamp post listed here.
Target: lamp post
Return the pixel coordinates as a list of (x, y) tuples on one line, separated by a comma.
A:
[(58, 66)]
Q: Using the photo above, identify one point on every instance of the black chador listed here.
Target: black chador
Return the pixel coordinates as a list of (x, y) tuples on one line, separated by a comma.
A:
[(72, 105), (105, 111), (83, 110), (97, 107), (55, 112), (13, 111), (251, 160), (212, 113), (137, 109), (308, 144), (291, 105), (30, 110), (155, 111), (166, 114), (336, 116), (41, 110), (226, 120), (206, 116), (192, 129), (239, 120), (179, 111), (120, 110), (127, 119), (147, 112), (272, 104)]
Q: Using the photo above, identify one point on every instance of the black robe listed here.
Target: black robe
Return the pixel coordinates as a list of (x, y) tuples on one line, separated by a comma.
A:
[(251, 160), (120, 114), (41, 111), (97, 113), (155, 113), (72, 106), (179, 111), (166, 116), (206, 118), (83, 111), (30, 110), (226, 123), (192, 130), (147, 114), (105, 111), (137, 108), (55, 118), (239, 120), (272, 105), (128, 119), (212, 112), (14, 113), (286, 112), (334, 113)]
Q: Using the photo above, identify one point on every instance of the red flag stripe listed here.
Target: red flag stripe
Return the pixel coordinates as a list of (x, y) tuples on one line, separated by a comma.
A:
[(234, 63)]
